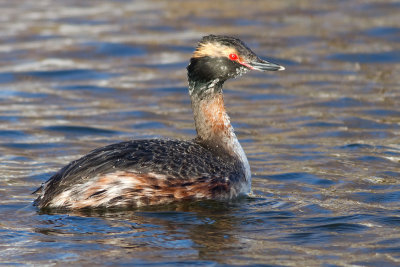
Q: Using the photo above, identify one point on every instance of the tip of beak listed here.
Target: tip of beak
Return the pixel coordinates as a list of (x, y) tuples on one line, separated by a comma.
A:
[(262, 65)]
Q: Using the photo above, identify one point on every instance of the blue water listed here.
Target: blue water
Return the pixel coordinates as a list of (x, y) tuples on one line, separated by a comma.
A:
[(322, 137)]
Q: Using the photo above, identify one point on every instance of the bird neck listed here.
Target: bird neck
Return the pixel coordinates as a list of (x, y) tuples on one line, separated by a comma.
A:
[(214, 130), (213, 126)]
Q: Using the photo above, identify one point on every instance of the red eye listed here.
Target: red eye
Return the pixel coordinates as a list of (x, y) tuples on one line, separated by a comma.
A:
[(233, 56)]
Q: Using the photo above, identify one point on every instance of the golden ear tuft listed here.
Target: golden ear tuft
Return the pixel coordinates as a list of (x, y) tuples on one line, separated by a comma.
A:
[(213, 49)]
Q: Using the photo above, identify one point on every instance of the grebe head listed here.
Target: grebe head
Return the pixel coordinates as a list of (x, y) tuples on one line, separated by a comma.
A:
[(218, 58)]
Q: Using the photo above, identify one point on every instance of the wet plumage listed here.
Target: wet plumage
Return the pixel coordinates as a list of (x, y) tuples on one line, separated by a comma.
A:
[(157, 171), (174, 164)]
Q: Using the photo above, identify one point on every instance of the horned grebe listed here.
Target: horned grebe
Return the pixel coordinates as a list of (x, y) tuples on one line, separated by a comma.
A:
[(157, 171)]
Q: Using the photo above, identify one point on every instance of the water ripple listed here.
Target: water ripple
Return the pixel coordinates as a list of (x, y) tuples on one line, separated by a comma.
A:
[(379, 57), (301, 177), (322, 136)]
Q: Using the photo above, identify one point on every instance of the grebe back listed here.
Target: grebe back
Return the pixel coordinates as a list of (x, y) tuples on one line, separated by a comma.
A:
[(157, 171)]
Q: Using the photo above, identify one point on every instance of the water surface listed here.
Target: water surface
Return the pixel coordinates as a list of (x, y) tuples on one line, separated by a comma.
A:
[(322, 137)]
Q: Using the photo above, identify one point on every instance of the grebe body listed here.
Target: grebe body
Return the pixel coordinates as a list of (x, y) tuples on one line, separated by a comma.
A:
[(158, 171)]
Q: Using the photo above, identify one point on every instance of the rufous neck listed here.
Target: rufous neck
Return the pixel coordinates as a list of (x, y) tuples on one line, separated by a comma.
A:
[(211, 120), (213, 126)]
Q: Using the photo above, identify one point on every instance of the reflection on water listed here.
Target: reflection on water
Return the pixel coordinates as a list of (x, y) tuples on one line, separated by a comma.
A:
[(322, 137), (152, 232)]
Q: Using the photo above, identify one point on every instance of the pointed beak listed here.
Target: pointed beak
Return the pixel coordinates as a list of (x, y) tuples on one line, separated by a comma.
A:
[(263, 65)]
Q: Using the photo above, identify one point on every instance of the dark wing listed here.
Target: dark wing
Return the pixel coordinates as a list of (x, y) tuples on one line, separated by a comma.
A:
[(173, 158)]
